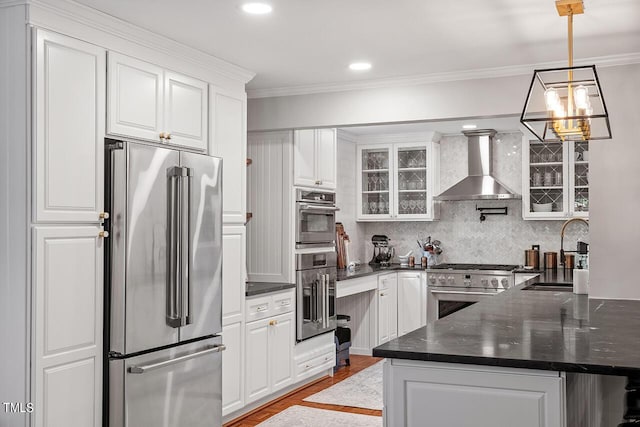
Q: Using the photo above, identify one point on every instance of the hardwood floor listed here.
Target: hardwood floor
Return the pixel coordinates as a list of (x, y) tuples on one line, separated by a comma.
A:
[(358, 363)]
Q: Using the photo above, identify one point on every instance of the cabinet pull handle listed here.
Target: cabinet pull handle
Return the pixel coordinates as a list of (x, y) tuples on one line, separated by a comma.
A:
[(103, 234), (104, 215), (261, 308), (273, 322)]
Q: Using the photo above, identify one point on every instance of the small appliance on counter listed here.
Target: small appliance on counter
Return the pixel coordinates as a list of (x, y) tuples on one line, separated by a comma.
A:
[(382, 251)]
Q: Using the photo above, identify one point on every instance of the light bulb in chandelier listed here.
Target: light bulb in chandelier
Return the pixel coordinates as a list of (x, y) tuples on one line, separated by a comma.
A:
[(581, 98)]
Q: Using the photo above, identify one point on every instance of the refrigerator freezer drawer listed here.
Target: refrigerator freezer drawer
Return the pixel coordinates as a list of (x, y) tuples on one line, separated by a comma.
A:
[(176, 387)]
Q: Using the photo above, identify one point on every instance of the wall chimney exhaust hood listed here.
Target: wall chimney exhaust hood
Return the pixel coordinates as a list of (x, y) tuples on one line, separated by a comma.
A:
[(480, 184)]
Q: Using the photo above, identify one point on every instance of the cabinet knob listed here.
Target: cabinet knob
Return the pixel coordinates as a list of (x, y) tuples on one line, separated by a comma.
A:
[(382, 294), (168, 136), (103, 234), (273, 322), (104, 215), (318, 182), (162, 135)]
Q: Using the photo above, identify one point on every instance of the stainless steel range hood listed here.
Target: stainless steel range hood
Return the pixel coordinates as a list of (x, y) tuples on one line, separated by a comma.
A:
[(480, 184)]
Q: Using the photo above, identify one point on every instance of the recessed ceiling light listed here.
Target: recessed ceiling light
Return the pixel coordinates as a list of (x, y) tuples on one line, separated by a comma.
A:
[(360, 66), (257, 8), (469, 126)]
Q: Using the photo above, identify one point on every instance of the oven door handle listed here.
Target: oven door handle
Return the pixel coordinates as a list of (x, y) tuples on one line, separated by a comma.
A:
[(305, 206), (471, 293)]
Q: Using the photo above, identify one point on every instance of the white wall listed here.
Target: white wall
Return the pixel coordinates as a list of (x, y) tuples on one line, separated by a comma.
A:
[(14, 214), (615, 193)]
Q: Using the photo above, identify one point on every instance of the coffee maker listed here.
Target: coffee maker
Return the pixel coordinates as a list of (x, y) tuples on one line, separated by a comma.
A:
[(382, 251)]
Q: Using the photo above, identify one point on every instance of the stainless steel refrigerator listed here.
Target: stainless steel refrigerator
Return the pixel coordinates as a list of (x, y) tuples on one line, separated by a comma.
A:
[(164, 287)]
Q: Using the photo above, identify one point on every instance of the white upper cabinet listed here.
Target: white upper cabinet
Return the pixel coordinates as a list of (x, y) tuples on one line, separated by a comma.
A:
[(315, 157), (185, 111), (69, 127), (326, 157), (136, 91), (397, 181), (147, 102), (228, 139), (555, 180)]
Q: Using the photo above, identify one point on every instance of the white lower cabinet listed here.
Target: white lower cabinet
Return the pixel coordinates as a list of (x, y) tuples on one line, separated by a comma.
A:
[(269, 338), (232, 364), (314, 355), (471, 396), (67, 326), (411, 302), (387, 307)]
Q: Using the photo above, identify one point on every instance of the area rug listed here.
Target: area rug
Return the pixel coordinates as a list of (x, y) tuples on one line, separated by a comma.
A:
[(362, 390), (304, 416)]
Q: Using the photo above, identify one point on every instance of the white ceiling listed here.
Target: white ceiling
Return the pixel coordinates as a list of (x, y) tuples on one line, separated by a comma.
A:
[(311, 42)]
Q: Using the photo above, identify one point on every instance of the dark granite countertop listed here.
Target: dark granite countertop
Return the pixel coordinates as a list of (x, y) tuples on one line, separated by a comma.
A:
[(257, 288), (367, 270), (547, 330), (551, 276)]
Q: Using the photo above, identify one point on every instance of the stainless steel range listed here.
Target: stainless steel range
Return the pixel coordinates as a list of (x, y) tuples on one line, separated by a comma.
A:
[(453, 287)]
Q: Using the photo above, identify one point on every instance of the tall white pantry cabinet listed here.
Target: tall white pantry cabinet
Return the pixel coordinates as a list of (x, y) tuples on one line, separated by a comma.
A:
[(56, 107)]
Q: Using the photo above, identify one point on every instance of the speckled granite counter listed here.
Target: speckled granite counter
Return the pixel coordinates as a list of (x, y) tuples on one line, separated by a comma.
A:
[(257, 288), (367, 270), (557, 331)]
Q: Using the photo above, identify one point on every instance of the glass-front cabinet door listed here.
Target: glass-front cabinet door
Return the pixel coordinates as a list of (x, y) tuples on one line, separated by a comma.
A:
[(375, 182), (555, 180), (411, 180), (580, 179), (397, 181)]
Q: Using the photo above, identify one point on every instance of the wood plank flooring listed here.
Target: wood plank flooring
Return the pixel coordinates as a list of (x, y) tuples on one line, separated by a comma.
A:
[(358, 363)]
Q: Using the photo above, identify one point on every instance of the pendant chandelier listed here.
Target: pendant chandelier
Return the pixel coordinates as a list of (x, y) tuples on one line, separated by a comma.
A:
[(566, 104)]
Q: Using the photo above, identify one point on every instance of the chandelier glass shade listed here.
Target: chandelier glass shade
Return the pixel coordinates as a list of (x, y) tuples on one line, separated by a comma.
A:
[(566, 104)]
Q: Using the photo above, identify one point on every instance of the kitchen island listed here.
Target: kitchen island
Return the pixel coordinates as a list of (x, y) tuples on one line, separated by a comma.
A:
[(509, 360)]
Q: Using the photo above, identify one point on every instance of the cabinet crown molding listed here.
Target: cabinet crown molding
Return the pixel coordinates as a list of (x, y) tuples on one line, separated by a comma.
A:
[(84, 15)]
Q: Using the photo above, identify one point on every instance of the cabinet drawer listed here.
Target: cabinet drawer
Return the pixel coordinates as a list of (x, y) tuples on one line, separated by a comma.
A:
[(308, 368), (258, 308), (268, 305), (283, 302)]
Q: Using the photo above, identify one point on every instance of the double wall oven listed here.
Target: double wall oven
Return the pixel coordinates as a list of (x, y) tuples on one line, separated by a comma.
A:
[(453, 287), (315, 219), (316, 272)]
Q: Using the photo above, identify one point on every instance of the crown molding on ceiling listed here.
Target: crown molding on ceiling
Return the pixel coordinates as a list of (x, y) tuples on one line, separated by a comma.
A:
[(113, 26), (483, 73)]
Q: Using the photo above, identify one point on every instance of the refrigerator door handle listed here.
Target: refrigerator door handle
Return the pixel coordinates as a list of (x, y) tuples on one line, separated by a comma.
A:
[(153, 366), (173, 314), (185, 238)]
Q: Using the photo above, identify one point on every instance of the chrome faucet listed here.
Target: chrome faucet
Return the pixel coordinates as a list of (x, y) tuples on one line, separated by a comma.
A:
[(564, 226)]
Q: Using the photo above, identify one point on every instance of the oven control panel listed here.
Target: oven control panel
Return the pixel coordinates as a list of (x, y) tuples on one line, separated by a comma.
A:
[(486, 280)]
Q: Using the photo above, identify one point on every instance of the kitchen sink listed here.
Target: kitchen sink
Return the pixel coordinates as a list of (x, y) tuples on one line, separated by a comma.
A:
[(553, 287)]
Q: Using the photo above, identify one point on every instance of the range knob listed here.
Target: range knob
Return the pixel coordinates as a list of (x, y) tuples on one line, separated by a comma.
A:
[(494, 283), (451, 279), (505, 283), (442, 280), (484, 282), (433, 280)]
